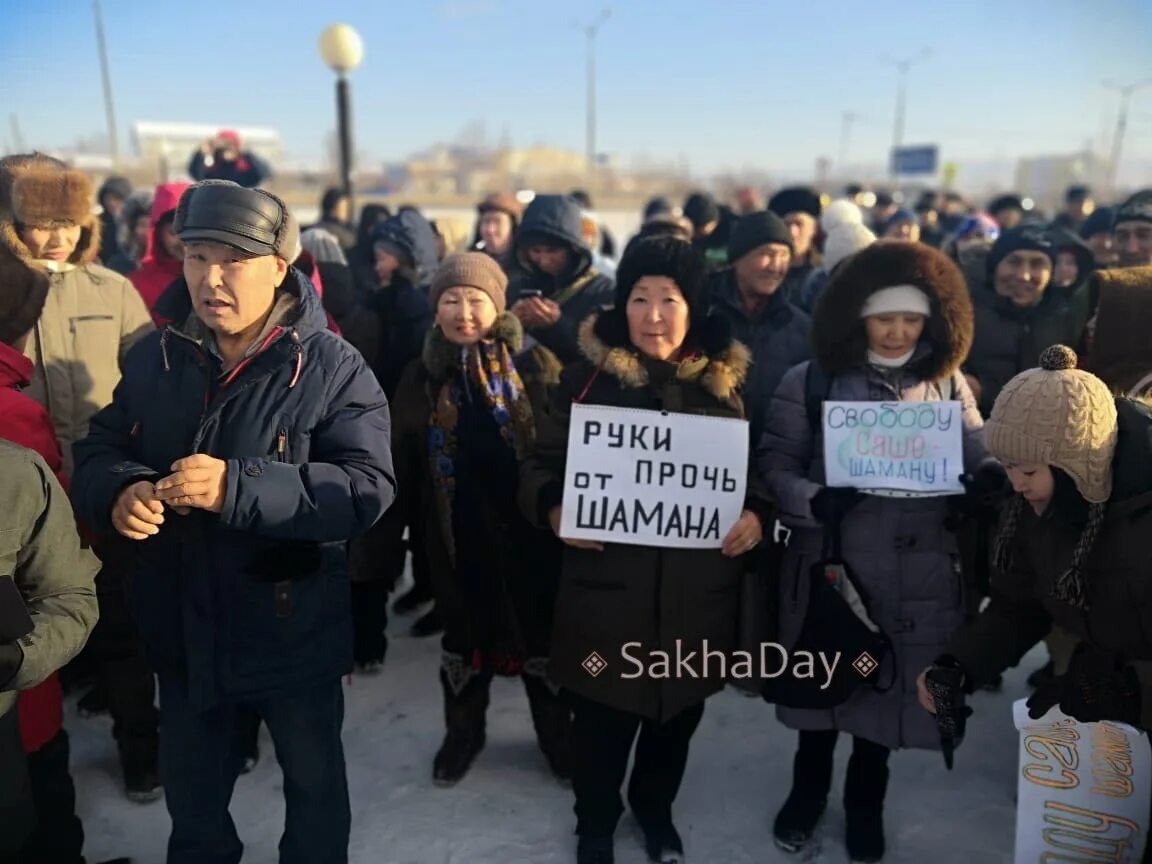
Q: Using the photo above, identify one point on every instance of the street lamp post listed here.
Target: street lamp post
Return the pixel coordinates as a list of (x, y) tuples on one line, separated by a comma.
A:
[(902, 67), (342, 50), (590, 32), (1126, 92)]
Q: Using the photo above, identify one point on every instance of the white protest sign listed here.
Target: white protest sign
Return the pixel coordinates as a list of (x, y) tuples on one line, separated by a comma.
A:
[(914, 448), (1083, 792), (653, 478)]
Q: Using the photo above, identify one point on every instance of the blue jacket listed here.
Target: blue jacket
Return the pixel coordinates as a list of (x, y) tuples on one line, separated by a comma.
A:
[(255, 599)]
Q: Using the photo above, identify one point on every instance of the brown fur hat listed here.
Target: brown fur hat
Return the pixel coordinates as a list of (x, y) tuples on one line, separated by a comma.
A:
[(39, 190), (838, 335)]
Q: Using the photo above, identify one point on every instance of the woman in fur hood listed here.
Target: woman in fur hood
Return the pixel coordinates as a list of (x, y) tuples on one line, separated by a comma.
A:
[(461, 419), (894, 325), (656, 350)]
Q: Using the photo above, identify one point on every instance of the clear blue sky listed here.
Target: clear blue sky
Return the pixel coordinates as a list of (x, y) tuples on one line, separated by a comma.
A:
[(726, 84)]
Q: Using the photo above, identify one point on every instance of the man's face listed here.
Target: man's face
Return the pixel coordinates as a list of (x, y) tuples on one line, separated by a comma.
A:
[(496, 231), (550, 258), (760, 272), (1008, 219), (1103, 248), (113, 205), (54, 242), (169, 242), (905, 231), (803, 229), (232, 291), (1133, 243), (1023, 276), (1080, 208), (340, 211)]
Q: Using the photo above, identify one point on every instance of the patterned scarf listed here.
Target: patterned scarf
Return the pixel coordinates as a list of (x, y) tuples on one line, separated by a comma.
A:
[(485, 371)]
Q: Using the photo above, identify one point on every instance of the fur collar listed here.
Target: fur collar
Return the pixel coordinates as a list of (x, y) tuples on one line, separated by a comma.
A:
[(441, 356), (722, 374)]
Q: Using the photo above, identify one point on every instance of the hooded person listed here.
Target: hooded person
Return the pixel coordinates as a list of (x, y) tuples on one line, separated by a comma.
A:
[(1132, 230), (656, 349), (1073, 546), (557, 288), (748, 297), (163, 261), (245, 446), (112, 198), (1017, 315), (1072, 275), (336, 217), (462, 417), (1096, 231), (135, 233), (894, 326), (800, 208)]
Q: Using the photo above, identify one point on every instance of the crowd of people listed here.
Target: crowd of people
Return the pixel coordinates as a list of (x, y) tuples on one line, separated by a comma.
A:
[(260, 425)]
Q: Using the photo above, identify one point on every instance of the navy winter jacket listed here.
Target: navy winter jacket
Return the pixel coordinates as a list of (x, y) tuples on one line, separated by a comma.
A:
[(255, 599)]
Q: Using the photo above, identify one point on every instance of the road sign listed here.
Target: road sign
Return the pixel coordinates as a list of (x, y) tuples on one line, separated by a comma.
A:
[(921, 159)]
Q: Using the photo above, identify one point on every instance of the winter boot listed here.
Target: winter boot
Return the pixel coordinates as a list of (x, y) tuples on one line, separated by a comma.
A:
[(1042, 677), (140, 759), (464, 718), (428, 624), (248, 740), (94, 703), (864, 790), (553, 721), (412, 599), (662, 842), (811, 780), (594, 849)]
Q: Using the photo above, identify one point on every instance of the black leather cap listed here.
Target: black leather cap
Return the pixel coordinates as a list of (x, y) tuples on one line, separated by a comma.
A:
[(250, 220)]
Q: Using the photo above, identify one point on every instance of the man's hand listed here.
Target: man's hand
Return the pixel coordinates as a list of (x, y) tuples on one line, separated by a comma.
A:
[(745, 535), (199, 481), (138, 513), (536, 312), (554, 521)]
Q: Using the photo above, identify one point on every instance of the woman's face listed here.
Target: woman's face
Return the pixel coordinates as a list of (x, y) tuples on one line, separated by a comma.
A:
[(465, 315), (51, 242), (1067, 269), (496, 231), (386, 265), (894, 334), (1033, 482), (657, 316), (1023, 276)]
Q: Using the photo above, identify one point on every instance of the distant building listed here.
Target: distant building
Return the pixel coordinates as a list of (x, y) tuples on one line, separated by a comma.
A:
[(1044, 178)]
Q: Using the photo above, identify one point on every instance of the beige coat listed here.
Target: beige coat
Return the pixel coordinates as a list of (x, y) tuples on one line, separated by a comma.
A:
[(91, 318)]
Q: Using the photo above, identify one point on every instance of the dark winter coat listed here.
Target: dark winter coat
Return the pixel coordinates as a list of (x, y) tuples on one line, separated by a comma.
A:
[(630, 593), (792, 288), (514, 612), (247, 169), (579, 292), (387, 324), (1119, 618), (898, 548), (253, 600), (779, 339), (1009, 339)]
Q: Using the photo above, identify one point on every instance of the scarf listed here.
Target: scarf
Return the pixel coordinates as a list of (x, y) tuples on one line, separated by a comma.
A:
[(485, 372)]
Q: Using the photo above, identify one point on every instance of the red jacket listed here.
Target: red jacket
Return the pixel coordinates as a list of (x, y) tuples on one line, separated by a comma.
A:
[(158, 269), (24, 421)]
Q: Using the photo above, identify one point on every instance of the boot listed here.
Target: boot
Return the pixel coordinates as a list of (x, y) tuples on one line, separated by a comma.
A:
[(662, 842), (811, 780), (94, 703), (593, 849), (553, 721), (248, 740), (428, 624), (140, 759), (864, 790), (1042, 677), (464, 718), (412, 599)]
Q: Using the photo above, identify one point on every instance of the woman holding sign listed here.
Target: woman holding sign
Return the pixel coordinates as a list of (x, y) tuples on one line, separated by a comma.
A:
[(627, 611), (461, 418), (892, 329)]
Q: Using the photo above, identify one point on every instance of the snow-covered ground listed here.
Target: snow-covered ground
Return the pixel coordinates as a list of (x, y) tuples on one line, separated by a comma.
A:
[(509, 810)]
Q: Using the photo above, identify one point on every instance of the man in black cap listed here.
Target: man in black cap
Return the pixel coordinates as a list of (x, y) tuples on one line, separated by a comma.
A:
[(800, 208), (243, 448), (709, 231), (1078, 206), (748, 296), (1007, 210), (1132, 231)]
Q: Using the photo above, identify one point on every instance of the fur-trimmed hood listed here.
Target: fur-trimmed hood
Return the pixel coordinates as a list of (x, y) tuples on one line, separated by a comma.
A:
[(720, 366), (440, 356), (39, 190), (838, 336), (1121, 354)]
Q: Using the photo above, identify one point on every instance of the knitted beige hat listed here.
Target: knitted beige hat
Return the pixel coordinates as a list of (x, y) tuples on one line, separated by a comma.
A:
[(470, 270), (1061, 416)]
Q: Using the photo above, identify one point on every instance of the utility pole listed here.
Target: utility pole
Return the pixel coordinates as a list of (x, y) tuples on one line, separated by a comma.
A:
[(590, 32), (109, 106), (902, 67), (847, 119), (1126, 92)]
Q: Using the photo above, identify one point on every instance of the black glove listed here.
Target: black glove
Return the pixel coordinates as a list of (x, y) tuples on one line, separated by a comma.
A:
[(831, 504), (946, 681), (1096, 687), (11, 659), (987, 488)]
